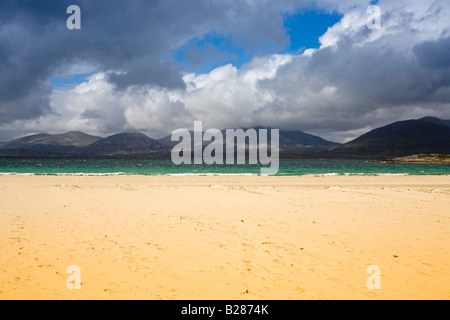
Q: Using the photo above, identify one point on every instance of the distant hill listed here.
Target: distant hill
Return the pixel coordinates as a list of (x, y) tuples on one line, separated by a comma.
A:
[(437, 121), (299, 142), (126, 144), (167, 141), (290, 141), (398, 139), (48, 143)]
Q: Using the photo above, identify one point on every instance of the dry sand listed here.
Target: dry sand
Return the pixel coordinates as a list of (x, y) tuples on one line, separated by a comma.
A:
[(224, 237)]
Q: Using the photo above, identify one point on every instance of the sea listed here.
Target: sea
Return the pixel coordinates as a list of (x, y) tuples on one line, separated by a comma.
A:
[(287, 167)]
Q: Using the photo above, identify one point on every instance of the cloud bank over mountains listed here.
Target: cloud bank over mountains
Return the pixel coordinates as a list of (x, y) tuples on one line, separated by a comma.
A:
[(357, 80)]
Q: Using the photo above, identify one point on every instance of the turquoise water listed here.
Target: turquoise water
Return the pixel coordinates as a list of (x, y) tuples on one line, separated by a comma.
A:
[(51, 166)]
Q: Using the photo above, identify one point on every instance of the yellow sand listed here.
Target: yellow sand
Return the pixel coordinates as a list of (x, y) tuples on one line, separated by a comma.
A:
[(225, 237)]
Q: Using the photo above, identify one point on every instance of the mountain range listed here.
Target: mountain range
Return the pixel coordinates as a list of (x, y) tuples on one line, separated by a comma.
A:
[(427, 135), (399, 139), (289, 142), (52, 144), (127, 144)]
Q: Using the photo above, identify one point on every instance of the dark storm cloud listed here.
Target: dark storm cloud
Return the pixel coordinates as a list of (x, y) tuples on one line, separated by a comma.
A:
[(126, 39), (434, 54), (91, 114), (142, 73), (27, 106)]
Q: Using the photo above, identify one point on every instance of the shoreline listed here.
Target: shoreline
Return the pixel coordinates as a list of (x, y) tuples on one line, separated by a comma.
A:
[(331, 174), (224, 237), (439, 159), (413, 162)]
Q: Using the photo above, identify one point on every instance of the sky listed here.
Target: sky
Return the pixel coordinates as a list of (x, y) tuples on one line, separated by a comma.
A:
[(156, 66)]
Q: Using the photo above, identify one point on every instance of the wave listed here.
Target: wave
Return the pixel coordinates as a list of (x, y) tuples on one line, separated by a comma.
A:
[(16, 174)]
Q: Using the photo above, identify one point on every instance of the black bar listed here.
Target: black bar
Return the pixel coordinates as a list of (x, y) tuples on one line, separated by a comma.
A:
[(225, 309)]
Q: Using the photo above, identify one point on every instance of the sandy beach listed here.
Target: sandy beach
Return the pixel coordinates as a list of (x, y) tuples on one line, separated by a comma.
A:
[(224, 237)]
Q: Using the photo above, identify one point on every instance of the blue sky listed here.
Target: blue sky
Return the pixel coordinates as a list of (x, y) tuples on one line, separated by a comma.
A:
[(305, 28), (66, 82)]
